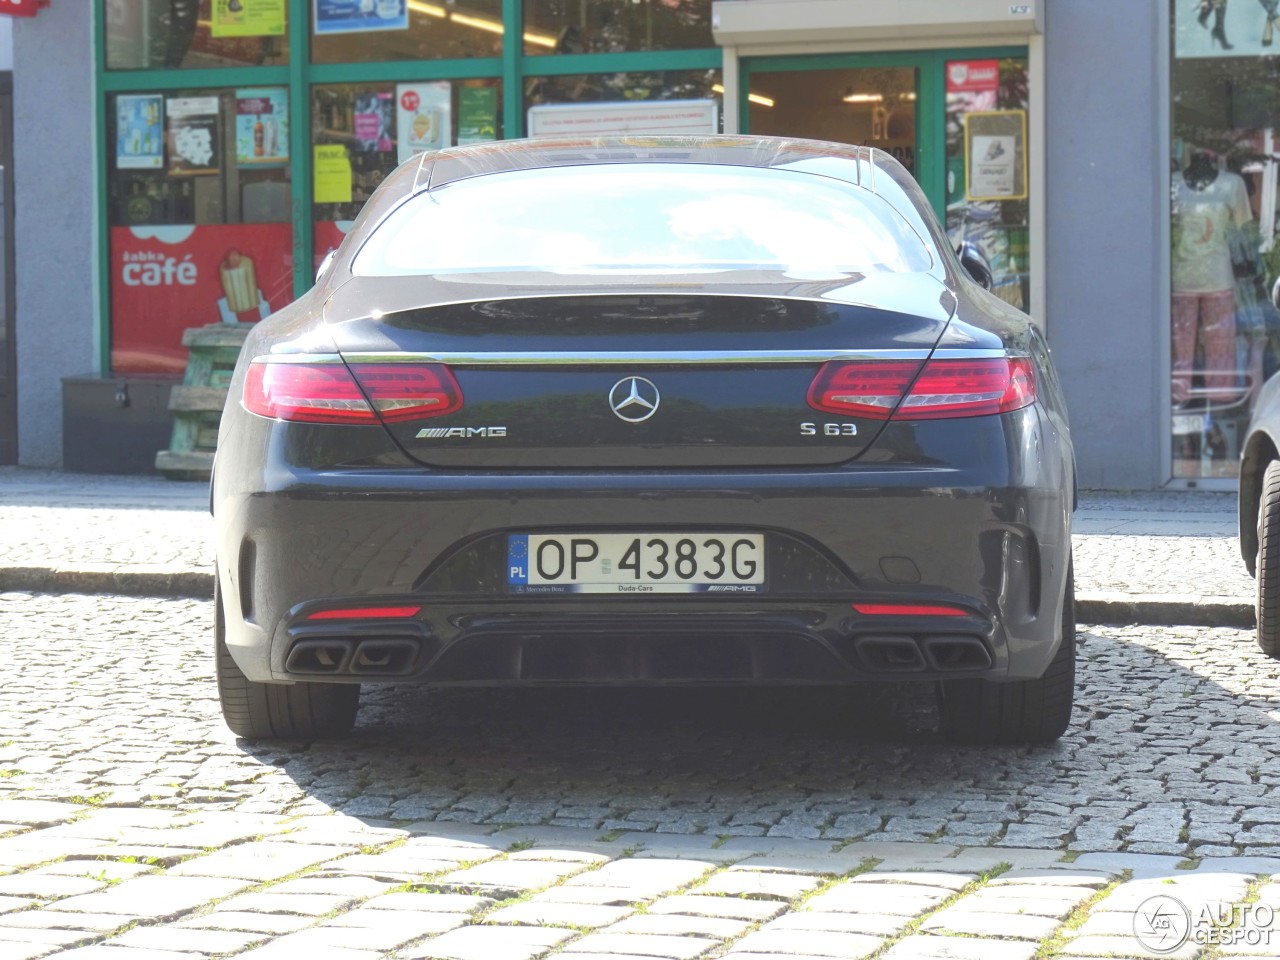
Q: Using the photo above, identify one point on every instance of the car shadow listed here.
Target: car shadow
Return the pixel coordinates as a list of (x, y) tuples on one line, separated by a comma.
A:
[(861, 762)]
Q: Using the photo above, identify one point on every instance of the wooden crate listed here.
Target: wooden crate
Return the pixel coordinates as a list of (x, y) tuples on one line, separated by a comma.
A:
[(197, 404)]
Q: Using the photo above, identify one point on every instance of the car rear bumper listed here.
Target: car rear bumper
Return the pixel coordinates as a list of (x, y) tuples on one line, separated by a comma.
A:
[(320, 540)]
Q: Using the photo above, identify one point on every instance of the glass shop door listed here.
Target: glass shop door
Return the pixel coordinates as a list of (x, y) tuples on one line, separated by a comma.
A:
[(957, 119)]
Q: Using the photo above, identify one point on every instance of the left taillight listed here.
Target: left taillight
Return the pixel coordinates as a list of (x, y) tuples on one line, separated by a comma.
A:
[(333, 393)]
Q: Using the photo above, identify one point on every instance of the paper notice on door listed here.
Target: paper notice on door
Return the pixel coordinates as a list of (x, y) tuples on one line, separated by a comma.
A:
[(332, 170), (996, 155), (991, 167)]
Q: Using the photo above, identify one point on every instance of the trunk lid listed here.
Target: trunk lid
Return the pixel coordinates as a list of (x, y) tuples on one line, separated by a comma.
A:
[(563, 378)]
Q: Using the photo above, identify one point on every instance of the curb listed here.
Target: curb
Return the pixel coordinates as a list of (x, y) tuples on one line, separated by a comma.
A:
[(193, 584), (1165, 610), (131, 581)]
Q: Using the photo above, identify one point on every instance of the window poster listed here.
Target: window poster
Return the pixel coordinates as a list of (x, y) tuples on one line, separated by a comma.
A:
[(424, 118), (139, 132), (1216, 28), (193, 135), (356, 16), (373, 118), (248, 18), (477, 114), (262, 127), (996, 155), (331, 168), (165, 279)]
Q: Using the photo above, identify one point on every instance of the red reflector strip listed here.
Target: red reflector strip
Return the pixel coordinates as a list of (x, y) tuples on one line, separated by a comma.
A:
[(366, 613), (908, 610)]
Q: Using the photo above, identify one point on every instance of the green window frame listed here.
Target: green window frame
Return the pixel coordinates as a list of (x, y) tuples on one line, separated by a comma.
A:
[(511, 68)]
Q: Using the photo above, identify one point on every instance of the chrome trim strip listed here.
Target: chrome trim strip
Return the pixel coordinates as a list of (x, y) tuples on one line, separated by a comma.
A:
[(297, 358), (633, 357), (973, 353), (660, 358)]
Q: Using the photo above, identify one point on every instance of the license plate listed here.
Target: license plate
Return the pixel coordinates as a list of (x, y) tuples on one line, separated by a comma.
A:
[(631, 563)]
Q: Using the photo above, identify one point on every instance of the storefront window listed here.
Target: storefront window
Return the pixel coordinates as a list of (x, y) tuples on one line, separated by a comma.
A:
[(612, 104), (361, 132), (169, 34), (199, 217), (611, 26), (987, 168), (366, 31), (1224, 259), (875, 106)]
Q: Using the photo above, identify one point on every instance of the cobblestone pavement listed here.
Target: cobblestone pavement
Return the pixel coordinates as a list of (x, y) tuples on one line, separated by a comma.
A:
[(588, 824)]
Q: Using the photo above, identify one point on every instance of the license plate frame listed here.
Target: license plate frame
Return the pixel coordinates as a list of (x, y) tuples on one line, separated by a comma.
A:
[(603, 564)]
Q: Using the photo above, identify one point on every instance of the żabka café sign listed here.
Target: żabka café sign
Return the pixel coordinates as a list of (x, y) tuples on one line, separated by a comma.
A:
[(21, 8)]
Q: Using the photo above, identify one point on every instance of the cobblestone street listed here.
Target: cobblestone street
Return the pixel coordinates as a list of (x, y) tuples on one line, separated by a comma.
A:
[(668, 824)]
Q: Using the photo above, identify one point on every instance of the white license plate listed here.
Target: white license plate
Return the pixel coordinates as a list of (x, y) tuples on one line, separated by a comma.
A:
[(631, 563)]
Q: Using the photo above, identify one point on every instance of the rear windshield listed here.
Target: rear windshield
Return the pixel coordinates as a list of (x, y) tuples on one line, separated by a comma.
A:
[(639, 218)]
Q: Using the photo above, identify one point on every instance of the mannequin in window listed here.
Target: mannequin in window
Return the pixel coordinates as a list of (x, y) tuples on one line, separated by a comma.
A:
[(1207, 204), (1272, 7), (1219, 10)]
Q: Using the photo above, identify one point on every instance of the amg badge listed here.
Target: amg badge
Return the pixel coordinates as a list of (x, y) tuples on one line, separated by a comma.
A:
[(439, 433)]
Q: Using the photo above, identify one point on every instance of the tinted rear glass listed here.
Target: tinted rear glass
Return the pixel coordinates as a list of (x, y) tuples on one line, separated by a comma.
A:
[(639, 218)]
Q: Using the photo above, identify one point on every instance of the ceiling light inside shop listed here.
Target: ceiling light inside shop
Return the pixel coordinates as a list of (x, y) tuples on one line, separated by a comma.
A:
[(477, 23), (872, 97), (759, 98)]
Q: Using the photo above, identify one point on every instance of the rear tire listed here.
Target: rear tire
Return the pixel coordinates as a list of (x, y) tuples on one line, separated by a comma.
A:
[(1268, 563), (1021, 711), (279, 711)]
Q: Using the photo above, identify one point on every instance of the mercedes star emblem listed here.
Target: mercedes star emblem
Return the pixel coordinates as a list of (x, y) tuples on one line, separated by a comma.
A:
[(634, 399)]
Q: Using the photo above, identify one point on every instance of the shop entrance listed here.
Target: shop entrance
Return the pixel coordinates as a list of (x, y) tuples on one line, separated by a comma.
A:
[(8, 355), (957, 119)]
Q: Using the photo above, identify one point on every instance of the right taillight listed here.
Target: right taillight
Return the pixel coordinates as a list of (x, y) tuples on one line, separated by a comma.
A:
[(944, 388), (327, 392)]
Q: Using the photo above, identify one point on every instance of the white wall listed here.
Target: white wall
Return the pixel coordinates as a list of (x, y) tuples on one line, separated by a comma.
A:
[(53, 165), (1108, 306), (6, 43)]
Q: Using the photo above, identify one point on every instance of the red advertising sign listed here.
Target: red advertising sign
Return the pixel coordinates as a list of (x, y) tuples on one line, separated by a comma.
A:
[(21, 8), (166, 279), (973, 76)]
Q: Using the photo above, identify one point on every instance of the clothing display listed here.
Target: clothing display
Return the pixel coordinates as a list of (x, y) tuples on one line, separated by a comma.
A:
[(1208, 205), (1203, 218), (1212, 318)]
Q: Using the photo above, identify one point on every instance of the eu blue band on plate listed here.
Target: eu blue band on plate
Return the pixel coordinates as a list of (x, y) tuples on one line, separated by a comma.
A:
[(518, 559)]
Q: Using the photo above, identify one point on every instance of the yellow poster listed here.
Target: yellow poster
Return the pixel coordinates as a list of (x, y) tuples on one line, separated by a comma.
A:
[(248, 18), (332, 174)]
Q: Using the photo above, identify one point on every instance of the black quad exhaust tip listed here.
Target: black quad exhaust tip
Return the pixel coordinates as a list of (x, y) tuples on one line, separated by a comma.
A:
[(385, 657), (326, 656), (890, 654), (956, 653)]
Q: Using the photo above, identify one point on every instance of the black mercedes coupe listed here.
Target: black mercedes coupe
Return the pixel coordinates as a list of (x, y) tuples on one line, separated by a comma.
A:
[(698, 411)]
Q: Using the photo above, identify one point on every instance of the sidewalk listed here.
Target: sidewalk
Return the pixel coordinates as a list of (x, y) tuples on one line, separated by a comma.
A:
[(1155, 558)]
